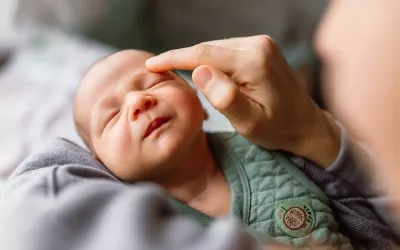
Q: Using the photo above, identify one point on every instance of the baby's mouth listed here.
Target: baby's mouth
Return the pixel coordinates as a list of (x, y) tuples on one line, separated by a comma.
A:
[(155, 124)]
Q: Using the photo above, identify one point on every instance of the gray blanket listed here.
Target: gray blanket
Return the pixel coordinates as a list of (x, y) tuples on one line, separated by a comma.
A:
[(62, 198)]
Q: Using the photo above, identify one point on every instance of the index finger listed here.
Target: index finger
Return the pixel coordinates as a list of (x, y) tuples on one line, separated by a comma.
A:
[(238, 43), (190, 58)]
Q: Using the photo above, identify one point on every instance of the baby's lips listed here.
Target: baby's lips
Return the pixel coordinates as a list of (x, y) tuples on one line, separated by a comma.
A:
[(155, 124)]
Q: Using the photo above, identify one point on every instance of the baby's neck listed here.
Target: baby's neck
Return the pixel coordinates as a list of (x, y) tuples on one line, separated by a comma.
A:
[(199, 182)]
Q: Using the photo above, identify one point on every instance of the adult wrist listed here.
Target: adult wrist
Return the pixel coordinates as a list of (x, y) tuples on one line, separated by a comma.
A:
[(322, 143)]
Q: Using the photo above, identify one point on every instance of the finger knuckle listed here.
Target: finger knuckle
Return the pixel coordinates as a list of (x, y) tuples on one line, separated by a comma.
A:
[(266, 46), (201, 49), (172, 54), (265, 41), (260, 62)]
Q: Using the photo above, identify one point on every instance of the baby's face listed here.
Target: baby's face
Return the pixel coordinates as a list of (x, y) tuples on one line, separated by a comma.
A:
[(136, 122)]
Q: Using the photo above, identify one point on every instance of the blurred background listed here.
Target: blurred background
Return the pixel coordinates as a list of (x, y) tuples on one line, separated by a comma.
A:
[(46, 46)]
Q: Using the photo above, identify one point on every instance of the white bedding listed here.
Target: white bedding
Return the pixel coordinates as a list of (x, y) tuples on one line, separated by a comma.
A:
[(36, 93)]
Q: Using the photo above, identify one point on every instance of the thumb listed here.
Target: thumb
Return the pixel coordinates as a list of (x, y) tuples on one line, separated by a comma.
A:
[(224, 95)]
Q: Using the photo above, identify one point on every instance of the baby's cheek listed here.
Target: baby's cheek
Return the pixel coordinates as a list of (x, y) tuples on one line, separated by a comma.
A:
[(185, 98), (117, 142), (118, 156)]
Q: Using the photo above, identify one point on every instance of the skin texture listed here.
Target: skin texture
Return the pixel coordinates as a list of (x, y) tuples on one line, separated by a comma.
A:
[(359, 42), (251, 84), (114, 106)]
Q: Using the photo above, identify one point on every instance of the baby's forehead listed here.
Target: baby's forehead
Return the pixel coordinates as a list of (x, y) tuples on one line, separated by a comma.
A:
[(115, 66), (129, 57)]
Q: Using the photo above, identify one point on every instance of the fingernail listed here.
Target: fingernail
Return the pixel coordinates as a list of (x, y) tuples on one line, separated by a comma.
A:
[(203, 76), (151, 61)]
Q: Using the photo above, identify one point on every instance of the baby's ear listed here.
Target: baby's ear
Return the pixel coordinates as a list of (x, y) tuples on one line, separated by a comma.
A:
[(205, 114)]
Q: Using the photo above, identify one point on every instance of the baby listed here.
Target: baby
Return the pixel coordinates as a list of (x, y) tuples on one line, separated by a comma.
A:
[(146, 126)]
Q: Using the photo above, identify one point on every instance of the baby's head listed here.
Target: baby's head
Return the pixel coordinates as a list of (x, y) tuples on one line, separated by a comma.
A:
[(137, 123)]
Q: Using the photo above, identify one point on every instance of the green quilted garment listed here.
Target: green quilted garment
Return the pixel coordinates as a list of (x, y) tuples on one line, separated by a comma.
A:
[(271, 196)]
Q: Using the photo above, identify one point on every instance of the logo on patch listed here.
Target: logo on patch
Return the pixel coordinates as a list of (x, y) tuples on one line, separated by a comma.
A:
[(294, 217)]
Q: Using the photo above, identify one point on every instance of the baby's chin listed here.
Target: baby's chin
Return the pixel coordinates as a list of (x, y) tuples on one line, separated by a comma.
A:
[(166, 156), (169, 148), (160, 165), (157, 154)]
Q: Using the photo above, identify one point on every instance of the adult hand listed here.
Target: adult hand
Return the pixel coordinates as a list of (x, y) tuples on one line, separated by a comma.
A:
[(249, 81)]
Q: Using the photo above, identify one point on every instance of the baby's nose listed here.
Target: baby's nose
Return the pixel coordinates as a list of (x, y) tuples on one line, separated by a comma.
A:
[(140, 103)]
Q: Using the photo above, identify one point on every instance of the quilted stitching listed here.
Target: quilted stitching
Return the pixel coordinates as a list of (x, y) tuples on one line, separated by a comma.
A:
[(271, 182)]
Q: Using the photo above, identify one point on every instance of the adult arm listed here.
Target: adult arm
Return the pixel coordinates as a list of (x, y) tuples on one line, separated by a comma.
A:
[(359, 207)]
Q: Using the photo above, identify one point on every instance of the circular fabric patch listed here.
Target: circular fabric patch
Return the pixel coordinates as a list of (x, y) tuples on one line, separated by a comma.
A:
[(294, 217)]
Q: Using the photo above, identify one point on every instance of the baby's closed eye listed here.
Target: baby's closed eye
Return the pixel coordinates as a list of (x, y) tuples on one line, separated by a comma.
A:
[(159, 78), (156, 84), (111, 117)]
